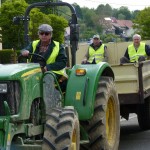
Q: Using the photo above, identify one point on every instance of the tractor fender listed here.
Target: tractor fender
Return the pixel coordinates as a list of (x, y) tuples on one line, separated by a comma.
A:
[(81, 90)]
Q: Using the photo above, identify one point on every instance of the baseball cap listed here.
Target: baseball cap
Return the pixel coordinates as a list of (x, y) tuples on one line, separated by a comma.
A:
[(96, 36), (45, 28)]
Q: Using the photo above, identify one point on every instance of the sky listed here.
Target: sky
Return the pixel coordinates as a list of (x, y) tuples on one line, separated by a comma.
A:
[(131, 4)]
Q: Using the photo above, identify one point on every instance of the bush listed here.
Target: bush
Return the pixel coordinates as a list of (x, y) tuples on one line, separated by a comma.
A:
[(110, 38), (7, 56)]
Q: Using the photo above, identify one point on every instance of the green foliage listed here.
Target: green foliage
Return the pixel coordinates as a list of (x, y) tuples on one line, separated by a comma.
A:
[(12, 36), (33, 1), (121, 17), (124, 11), (89, 17), (37, 18), (2, 1), (59, 24), (110, 38), (7, 56), (78, 10), (88, 33), (45, 10), (104, 10), (135, 13), (142, 23)]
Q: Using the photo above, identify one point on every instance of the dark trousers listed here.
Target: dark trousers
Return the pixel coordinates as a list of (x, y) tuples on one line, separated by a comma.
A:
[(62, 82), (124, 60)]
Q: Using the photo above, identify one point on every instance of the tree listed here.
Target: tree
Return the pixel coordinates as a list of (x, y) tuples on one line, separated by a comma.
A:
[(13, 35), (88, 16), (2, 1), (115, 13), (36, 18), (104, 10), (78, 10), (59, 24), (34, 1), (125, 11), (121, 17), (142, 23), (135, 13)]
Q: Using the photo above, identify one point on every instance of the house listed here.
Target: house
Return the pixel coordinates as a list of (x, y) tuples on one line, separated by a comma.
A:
[(124, 28), (107, 25)]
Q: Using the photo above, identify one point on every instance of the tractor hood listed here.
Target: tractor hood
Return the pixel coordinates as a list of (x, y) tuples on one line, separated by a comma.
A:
[(14, 69)]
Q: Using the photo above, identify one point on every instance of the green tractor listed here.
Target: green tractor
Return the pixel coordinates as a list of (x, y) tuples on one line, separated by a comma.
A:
[(34, 114)]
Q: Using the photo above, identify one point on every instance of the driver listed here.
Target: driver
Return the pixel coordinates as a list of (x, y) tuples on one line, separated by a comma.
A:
[(51, 50)]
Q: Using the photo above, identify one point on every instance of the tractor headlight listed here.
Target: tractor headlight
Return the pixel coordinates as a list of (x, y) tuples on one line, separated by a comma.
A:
[(3, 88)]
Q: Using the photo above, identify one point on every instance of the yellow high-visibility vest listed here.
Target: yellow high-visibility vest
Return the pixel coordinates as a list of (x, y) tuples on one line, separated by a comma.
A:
[(134, 55), (97, 54), (52, 57)]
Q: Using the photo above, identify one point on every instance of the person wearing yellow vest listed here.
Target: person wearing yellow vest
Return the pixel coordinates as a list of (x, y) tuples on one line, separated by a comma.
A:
[(136, 52), (97, 52), (51, 50)]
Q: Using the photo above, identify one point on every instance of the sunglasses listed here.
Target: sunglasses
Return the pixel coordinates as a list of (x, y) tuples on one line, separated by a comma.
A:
[(44, 33)]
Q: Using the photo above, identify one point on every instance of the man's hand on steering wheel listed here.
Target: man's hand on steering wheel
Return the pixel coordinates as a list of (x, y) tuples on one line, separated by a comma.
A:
[(37, 58), (25, 53)]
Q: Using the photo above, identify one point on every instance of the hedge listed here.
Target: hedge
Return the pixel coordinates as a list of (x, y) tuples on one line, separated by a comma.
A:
[(7, 56)]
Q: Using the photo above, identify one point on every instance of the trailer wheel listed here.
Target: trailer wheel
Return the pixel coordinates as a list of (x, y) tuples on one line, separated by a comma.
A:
[(62, 130), (104, 127), (144, 115)]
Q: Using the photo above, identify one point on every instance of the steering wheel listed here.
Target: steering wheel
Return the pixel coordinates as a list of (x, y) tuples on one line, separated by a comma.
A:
[(37, 59)]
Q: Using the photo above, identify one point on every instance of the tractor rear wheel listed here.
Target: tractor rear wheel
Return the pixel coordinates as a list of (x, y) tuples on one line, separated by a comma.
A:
[(104, 127), (62, 130)]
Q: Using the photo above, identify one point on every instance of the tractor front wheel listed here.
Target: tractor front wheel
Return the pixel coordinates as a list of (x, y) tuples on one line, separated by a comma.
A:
[(62, 130)]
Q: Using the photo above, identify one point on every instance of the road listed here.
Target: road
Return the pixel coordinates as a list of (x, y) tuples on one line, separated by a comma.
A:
[(131, 137)]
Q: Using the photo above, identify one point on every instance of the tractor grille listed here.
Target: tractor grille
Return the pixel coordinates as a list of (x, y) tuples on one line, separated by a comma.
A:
[(12, 97)]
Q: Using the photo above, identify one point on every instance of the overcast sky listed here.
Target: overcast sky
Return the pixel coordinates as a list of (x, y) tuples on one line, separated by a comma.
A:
[(131, 4)]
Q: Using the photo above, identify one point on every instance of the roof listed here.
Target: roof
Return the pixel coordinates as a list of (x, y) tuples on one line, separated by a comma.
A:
[(125, 23), (117, 23)]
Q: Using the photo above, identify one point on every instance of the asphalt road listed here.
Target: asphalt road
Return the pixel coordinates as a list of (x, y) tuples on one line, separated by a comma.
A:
[(131, 137)]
